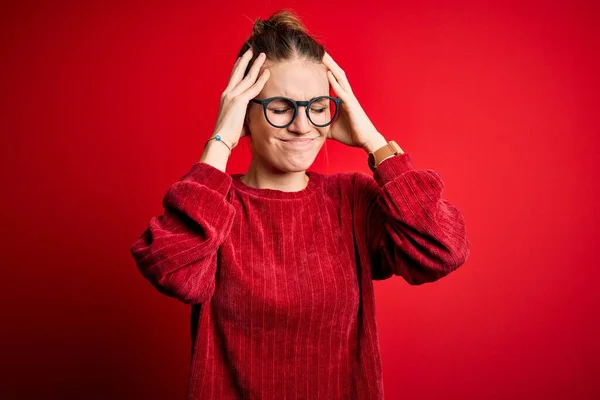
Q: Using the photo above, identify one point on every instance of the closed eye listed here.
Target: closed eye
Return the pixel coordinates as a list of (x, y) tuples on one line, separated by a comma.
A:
[(280, 111)]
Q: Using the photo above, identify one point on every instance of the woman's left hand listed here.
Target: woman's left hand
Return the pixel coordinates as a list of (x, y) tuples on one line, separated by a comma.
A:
[(352, 126)]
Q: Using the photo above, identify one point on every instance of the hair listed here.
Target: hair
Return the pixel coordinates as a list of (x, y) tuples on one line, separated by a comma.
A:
[(282, 37)]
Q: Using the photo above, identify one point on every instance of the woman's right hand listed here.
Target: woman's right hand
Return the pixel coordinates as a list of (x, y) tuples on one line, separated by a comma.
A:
[(236, 96)]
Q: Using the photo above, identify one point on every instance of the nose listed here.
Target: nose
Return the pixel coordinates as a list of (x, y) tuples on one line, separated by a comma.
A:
[(301, 123)]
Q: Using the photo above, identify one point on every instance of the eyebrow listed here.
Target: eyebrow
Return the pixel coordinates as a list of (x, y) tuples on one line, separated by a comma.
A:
[(291, 97)]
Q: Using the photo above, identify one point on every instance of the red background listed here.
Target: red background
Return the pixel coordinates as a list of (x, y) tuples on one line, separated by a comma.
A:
[(103, 106)]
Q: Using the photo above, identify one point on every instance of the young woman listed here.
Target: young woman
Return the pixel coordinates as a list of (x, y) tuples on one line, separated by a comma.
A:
[(278, 263)]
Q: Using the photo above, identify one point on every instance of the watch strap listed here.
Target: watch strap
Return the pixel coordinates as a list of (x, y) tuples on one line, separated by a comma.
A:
[(376, 157)]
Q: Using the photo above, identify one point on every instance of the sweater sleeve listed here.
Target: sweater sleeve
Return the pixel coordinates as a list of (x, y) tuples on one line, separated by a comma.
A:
[(177, 253), (406, 227)]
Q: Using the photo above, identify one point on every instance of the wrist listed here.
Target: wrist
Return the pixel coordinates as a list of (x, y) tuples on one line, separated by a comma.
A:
[(374, 143), (386, 151), (223, 139)]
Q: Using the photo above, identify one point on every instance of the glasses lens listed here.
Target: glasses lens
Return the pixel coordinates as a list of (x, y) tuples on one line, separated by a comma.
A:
[(280, 112), (322, 111)]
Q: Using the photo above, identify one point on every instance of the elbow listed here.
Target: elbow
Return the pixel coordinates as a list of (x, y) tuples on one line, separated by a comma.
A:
[(419, 276), (185, 275), (188, 291), (190, 283), (428, 270), (441, 266)]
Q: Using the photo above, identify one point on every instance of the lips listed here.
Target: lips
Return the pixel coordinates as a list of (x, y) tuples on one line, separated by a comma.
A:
[(299, 141)]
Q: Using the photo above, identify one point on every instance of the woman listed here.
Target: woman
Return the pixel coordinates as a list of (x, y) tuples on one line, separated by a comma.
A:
[(278, 263)]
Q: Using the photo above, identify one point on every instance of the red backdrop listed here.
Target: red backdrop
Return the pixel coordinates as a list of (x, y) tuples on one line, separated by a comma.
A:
[(104, 106)]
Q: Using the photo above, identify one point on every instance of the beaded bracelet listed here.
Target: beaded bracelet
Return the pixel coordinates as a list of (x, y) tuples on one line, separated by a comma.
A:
[(218, 139)]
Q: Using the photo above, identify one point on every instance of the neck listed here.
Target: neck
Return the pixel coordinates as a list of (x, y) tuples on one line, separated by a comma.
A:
[(262, 176)]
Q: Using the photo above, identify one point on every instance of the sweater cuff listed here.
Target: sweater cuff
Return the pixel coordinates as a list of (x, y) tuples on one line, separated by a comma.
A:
[(392, 167), (210, 177)]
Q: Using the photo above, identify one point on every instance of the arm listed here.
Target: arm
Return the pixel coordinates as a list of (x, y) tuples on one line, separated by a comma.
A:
[(408, 229), (177, 252)]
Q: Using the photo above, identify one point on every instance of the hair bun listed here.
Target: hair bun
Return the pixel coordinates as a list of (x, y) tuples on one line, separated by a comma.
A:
[(259, 27), (284, 20), (282, 37)]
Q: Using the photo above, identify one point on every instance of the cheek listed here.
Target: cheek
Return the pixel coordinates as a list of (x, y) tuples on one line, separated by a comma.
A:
[(262, 133), (255, 121)]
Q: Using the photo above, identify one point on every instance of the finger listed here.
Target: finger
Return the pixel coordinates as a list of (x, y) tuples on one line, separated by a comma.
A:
[(238, 70), (234, 67), (251, 77), (337, 88), (338, 72), (255, 89)]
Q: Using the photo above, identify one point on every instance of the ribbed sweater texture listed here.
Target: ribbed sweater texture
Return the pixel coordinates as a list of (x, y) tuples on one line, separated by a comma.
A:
[(281, 283)]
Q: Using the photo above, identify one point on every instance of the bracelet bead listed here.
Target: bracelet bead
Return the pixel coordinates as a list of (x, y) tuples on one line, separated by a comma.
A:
[(218, 138)]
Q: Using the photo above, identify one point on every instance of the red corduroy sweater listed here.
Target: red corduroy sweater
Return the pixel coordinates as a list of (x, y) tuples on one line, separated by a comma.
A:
[(281, 283)]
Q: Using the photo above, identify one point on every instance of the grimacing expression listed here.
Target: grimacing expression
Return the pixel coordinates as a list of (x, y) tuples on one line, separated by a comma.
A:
[(297, 79)]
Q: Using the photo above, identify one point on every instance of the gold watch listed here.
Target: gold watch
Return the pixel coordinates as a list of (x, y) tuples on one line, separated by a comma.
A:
[(375, 158)]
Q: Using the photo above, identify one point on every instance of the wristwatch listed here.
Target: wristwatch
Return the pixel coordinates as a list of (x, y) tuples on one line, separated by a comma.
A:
[(375, 158)]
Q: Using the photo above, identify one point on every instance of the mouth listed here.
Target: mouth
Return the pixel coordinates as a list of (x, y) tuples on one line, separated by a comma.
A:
[(298, 140), (298, 143)]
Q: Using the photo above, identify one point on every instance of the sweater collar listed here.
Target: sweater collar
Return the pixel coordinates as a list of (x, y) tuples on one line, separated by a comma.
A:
[(311, 187)]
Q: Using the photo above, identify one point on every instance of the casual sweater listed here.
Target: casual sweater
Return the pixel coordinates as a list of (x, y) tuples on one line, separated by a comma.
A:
[(281, 283)]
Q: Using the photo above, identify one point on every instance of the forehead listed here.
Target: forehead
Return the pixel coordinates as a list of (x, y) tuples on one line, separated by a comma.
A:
[(297, 79)]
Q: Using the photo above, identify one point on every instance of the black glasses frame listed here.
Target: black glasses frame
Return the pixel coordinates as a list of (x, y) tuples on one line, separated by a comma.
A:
[(297, 104)]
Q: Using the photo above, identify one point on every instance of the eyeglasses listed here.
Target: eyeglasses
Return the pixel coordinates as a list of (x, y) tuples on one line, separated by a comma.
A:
[(280, 112)]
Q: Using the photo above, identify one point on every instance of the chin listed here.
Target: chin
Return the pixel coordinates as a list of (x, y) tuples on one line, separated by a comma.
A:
[(285, 159), (295, 163), (296, 166)]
